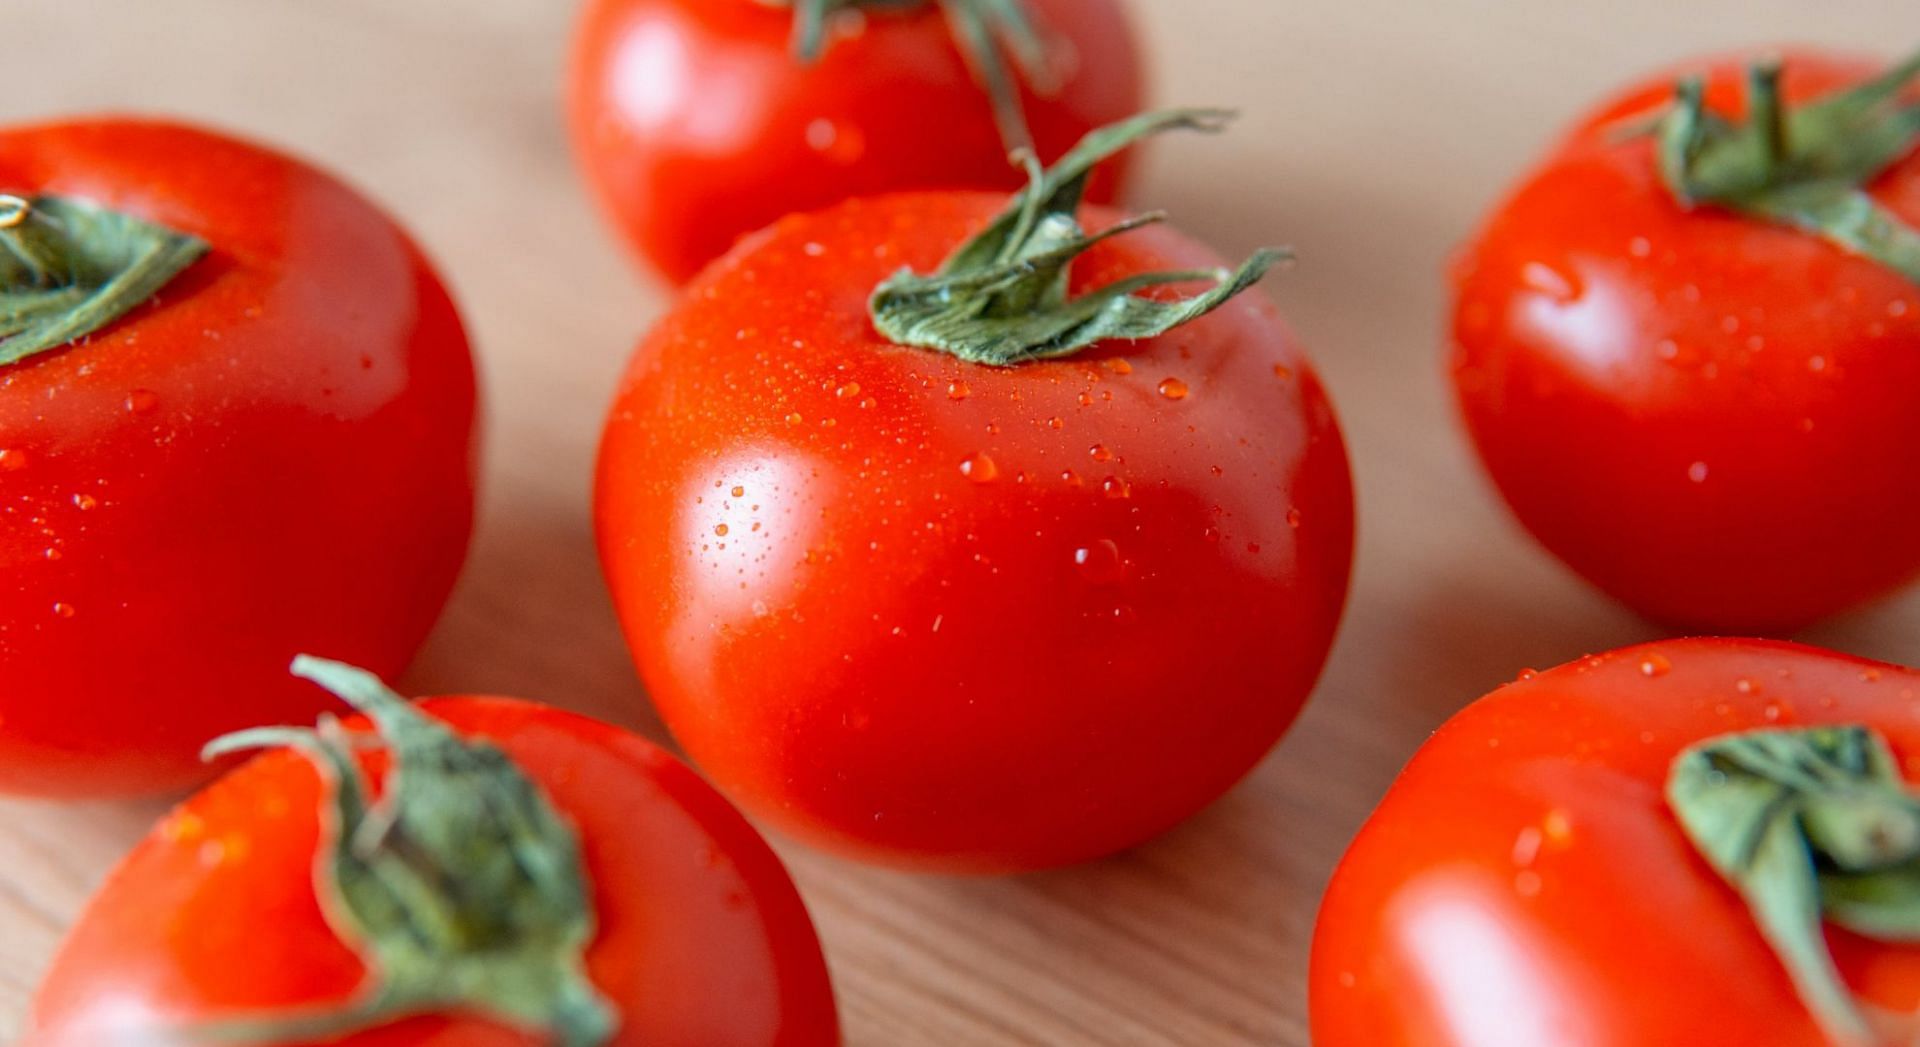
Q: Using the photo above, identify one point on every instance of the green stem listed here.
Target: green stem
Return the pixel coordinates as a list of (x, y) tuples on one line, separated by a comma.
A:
[(1002, 298), (69, 268), (460, 887), (1002, 40), (1806, 167), (1810, 825)]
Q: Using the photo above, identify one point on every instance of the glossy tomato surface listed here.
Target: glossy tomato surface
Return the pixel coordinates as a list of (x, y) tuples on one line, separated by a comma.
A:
[(275, 454), (959, 617), (696, 124), (1706, 416), (702, 939), (1524, 881)]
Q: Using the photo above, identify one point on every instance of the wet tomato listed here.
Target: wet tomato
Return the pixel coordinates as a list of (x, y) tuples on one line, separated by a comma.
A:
[(489, 873), (696, 123), (1689, 842), (1681, 366), (276, 451), (962, 616)]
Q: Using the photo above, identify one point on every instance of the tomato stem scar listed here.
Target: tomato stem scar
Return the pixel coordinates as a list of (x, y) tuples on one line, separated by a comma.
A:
[(69, 268), (1810, 825), (1804, 167), (456, 882), (1002, 298)]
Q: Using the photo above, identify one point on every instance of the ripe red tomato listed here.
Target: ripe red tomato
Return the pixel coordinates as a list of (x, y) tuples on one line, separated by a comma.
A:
[(697, 934), (277, 452), (696, 123), (1526, 881), (1703, 412), (954, 616)]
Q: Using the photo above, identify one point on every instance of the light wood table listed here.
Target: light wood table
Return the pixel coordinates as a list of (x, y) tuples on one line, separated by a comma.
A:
[(1376, 131)]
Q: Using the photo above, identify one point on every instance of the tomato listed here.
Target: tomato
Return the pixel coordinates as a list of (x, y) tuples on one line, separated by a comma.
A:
[(1702, 412), (947, 615), (1525, 880), (277, 452), (697, 934), (695, 122)]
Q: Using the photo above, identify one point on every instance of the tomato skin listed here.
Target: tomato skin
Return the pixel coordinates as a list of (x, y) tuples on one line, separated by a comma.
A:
[(1524, 882), (702, 938), (1704, 415), (279, 454), (962, 618), (696, 124)]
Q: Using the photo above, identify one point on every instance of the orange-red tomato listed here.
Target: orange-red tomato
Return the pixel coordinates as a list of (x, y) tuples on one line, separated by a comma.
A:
[(276, 453), (1704, 414), (701, 938), (953, 616), (1525, 882), (696, 124)]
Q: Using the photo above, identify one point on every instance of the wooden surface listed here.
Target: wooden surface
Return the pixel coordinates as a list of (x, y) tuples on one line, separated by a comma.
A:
[(1376, 132)]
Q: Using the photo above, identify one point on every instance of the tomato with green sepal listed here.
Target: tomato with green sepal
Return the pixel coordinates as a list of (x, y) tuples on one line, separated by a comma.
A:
[(699, 121), (960, 535), (1683, 345), (472, 871), (1695, 841), (236, 417)]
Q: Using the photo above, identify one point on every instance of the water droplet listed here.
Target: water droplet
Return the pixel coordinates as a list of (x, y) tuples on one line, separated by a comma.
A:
[(1551, 282), (720, 529), (1817, 364), (1056, 423), (63, 610), (1125, 615), (141, 400), (1898, 308), (739, 492), (12, 460), (1640, 247), (1173, 389), (812, 249), (1100, 453), (1069, 477), (1119, 366), (53, 553), (1697, 472), (1655, 664), (1668, 350), (980, 468), (1294, 518), (1115, 487), (1528, 674), (1746, 686), (795, 418), (84, 502), (1870, 676), (848, 391), (1282, 372), (1099, 562), (841, 144)]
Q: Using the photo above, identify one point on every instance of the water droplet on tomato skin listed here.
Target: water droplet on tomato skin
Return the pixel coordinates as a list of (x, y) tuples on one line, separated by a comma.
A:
[(958, 390), (84, 502), (1099, 453), (1564, 288), (63, 610), (1173, 389), (1119, 366), (1655, 665), (739, 492), (1099, 562), (1295, 519), (1697, 472), (1115, 487), (720, 530), (980, 468), (141, 401), (848, 391), (12, 460)]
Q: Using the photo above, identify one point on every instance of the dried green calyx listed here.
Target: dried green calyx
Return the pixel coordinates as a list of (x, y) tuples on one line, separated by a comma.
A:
[(1002, 39), (1002, 298), (69, 268), (1810, 825), (1806, 166), (460, 886)]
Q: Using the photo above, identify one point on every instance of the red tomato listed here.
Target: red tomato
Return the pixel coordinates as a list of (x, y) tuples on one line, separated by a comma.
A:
[(278, 452), (701, 938), (1705, 414), (1525, 882), (696, 123), (961, 617)]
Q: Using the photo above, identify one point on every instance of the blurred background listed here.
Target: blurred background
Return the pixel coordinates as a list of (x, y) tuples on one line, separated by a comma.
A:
[(1374, 135)]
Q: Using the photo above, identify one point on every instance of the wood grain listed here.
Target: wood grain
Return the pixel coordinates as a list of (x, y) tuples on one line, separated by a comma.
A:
[(1375, 133)]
